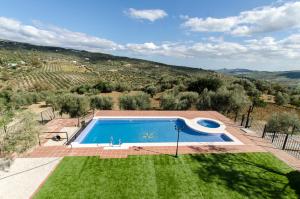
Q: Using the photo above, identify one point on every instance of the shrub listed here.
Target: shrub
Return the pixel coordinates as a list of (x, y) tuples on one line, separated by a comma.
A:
[(22, 136), (212, 84), (101, 102), (139, 101)]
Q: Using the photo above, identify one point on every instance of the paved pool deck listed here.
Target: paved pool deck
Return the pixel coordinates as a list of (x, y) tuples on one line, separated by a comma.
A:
[(251, 141)]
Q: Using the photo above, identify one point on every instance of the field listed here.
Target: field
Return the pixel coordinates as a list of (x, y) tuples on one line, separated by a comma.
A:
[(251, 175), (28, 67)]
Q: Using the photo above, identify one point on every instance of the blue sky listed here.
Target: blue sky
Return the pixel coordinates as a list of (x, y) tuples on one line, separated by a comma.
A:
[(255, 34)]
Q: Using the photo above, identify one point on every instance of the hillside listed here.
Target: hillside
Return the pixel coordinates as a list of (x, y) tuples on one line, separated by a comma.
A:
[(291, 78), (26, 67)]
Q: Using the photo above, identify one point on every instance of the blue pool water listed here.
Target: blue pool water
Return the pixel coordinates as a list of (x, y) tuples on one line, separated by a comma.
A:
[(146, 130), (208, 123)]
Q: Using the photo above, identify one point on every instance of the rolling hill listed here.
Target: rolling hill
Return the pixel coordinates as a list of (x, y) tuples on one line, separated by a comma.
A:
[(25, 67), (291, 78)]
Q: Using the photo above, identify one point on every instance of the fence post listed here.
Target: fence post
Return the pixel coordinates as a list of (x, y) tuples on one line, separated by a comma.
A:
[(53, 112), (42, 118), (249, 122), (236, 116), (293, 130), (243, 118), (38, 135), (264, 132), (273, 136), (285, 141), (250, 110)]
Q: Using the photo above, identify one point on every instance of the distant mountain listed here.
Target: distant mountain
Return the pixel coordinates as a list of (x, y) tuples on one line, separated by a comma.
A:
[(235, 71), (291, 78)]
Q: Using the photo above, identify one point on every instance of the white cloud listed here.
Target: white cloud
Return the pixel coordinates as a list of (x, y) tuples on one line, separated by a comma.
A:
[(260, 20), (151, 15), (11, 29), (266, 51)]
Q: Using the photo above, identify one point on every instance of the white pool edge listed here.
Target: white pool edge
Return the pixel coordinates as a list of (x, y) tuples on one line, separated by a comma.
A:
[(192, 123)]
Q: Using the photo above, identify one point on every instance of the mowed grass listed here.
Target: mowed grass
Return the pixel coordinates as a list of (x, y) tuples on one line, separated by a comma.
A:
[(248, 175)]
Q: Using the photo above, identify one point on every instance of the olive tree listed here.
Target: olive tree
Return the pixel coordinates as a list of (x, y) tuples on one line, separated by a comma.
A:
[(210, 83), (281, 98), (283, 122), (151, 90), (168, 102), (139, 101), (74, 105), (101, 102), (204, 101), (186, 100)]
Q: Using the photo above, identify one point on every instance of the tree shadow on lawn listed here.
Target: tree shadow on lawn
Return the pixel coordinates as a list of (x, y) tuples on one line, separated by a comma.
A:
[(248, 178)]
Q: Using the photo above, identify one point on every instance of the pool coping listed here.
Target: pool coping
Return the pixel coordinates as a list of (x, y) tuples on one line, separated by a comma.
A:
[(192, 123)]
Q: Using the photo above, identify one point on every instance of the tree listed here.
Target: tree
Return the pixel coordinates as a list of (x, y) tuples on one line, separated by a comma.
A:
[(186, 100), (139, 101), (103, 87), (281, 98), (221, 101), (239, 99), (295, 100), (151, 90), (204, 101), (101, 102), (168, 102), (74, 105), (82, 89), (121, 87), (283, 122), (212, 84)]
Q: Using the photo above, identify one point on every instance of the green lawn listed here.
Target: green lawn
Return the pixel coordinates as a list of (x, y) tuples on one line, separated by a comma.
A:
[(216, 176)]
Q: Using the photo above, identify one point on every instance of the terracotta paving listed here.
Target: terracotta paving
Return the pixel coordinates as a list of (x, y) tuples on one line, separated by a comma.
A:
[(251, 143), (56, 125)]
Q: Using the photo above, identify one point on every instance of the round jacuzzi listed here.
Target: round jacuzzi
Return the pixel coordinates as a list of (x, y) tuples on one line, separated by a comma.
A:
[(208, 123)]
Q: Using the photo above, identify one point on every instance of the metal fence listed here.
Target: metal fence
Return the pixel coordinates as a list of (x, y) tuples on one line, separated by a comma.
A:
[(289, 141)]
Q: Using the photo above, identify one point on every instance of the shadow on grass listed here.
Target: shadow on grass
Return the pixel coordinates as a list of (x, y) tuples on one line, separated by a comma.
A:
[(249, 178), (294, 181), (209, 148)]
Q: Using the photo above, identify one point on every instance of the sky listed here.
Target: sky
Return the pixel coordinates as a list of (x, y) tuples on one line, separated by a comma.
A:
[(210, 34)]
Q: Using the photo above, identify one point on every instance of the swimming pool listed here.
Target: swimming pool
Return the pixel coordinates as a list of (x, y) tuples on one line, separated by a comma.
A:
[(208, 123), (145, 131)]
